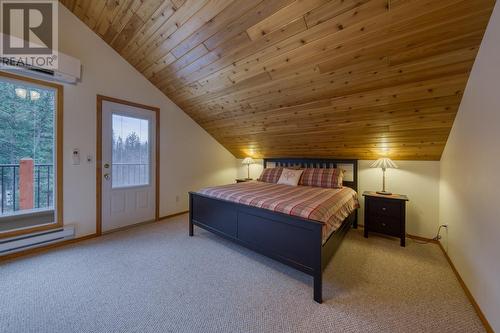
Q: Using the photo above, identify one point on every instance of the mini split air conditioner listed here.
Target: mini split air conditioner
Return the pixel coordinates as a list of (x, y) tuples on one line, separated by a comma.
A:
[(68, 71)]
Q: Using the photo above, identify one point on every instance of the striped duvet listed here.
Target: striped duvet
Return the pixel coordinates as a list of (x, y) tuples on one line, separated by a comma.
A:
[(327, 205)]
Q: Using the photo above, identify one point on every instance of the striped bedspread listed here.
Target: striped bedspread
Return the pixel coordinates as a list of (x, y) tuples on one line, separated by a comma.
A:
[(327, 205)]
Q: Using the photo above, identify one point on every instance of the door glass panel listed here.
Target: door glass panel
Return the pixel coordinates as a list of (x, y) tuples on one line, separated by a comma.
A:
[(130, 151)]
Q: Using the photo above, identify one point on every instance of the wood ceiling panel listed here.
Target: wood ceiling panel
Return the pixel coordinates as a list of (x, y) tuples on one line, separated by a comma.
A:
[(319, 78), (282, 17)]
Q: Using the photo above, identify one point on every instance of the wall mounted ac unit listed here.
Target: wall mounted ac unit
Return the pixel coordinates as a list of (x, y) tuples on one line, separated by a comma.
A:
[(68, 71)]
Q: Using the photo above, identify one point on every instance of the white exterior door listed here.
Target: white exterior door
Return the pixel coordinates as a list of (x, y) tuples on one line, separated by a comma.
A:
[(128, 165)]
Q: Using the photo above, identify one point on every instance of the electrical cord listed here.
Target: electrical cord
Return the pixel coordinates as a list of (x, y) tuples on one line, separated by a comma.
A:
[(438, 236)]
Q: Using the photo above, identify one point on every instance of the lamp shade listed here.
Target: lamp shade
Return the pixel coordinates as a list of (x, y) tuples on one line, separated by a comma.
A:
[(248, 161), (384, 163)]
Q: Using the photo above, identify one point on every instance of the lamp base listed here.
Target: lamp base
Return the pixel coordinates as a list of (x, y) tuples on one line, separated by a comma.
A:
[(384, 193)]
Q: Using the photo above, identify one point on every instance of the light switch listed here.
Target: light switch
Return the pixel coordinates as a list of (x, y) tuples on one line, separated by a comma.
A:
[(76, 156)]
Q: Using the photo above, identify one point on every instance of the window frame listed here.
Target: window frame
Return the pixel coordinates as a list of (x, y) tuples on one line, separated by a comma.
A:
[(58, 158)]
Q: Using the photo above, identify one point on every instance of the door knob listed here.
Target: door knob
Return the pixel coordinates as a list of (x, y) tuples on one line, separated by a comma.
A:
[(107, 176)]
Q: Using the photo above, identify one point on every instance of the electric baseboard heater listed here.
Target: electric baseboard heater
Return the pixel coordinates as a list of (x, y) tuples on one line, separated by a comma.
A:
[(25, 242)]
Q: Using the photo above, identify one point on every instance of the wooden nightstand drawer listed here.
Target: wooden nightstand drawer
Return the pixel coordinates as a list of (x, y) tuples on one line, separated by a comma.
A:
[(388, 208), (385, 225)]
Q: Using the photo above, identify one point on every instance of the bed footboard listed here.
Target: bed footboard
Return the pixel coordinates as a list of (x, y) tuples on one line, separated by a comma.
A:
[(293, 241)]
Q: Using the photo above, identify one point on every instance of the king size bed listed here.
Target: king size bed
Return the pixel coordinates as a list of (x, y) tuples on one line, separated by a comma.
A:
[(300, 226)]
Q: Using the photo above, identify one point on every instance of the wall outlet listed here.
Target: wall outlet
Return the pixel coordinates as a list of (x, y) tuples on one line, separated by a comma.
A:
[(176, 198)]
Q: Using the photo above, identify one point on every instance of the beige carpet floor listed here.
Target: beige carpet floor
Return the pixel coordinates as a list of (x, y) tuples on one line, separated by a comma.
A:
[(154, 278)]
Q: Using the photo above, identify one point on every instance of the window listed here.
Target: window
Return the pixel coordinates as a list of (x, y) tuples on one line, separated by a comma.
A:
[(29, 172), (130, 151)]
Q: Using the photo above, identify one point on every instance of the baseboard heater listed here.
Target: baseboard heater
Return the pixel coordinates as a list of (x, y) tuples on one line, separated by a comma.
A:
[(25, 242)]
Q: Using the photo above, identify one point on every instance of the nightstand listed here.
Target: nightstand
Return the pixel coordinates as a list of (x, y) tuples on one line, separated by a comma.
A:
[(386, 214), (243, 180)]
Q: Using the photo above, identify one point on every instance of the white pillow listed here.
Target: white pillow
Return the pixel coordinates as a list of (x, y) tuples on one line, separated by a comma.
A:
[(290, 177)]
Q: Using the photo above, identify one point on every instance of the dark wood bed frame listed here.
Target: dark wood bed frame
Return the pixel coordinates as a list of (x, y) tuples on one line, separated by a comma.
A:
[(291, 240)]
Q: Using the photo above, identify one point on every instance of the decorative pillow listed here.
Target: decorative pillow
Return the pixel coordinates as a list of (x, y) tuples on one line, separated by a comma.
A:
[(290, 177), (329, 178), (270, 175)]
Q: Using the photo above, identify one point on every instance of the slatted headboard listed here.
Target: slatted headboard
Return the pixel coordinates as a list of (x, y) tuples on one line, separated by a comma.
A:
[(351, 166)]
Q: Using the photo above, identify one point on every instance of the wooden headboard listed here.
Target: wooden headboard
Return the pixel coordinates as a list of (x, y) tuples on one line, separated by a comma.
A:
[(351, 166)]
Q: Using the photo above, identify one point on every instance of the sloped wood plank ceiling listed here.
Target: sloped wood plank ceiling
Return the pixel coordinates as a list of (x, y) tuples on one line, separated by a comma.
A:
[(323, 78)]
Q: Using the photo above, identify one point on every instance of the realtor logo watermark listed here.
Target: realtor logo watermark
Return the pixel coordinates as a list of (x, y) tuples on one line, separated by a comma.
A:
[(29, 33)]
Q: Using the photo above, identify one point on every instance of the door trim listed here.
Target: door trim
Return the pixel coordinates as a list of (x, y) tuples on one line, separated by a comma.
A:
[(100, 100), (58, 155)]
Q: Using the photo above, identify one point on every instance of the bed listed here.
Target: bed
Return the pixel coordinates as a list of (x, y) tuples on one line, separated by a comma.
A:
[(301, 226)]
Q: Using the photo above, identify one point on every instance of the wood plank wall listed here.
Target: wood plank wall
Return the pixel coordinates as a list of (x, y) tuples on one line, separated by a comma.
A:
[(269, 78)]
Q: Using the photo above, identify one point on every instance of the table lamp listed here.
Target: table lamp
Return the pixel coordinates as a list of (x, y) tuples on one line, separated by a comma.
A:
[(384, 163), (247, 161)]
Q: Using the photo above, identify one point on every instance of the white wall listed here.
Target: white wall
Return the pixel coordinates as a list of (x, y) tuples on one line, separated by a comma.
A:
[(190, 158), (470, 179), (419, 180)]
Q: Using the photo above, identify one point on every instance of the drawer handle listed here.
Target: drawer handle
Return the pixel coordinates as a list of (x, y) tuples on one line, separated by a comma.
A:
[(384, 209), (383, 224)]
